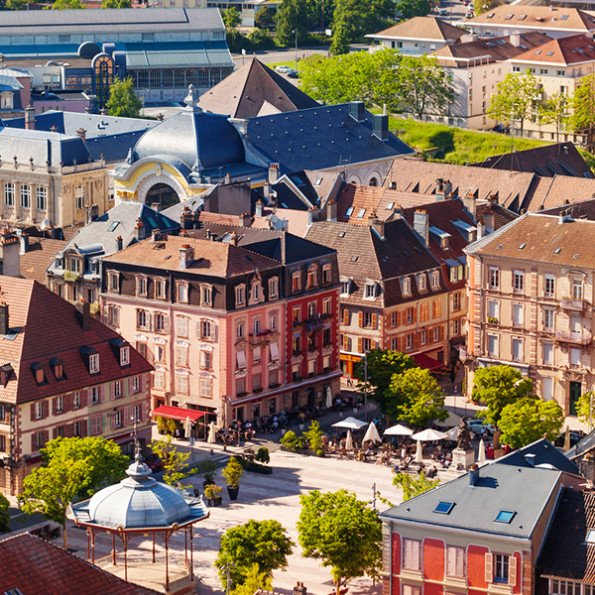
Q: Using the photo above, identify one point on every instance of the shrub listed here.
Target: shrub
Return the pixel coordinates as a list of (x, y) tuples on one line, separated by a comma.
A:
[(319, 453), (213, 491), (290, 441), (262, 456)]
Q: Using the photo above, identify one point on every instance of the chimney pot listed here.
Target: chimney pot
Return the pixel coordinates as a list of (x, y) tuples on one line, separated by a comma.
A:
[(4, 321)]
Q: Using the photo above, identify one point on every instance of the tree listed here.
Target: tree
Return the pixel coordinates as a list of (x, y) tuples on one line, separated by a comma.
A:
[(175, 463), (115, 4), (261, 543), (555, 110), (529, 419), (314, 436), (423, 87), (264, 18), (15, 4), (67, 5), (232, 18), (498, 386), (4, 514), (416, 398), (290, 19), (122, 100), (583, 104), (71, 468), (585, 407), (413, 8), (515, 99), (481, 6), (414, 485), (106, 464), (343, 532), (382, 366), (254, 582)]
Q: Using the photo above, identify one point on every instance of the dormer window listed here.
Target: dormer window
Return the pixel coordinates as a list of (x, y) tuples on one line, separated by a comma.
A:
[(91, 358), (346, 287), (114, 282), (206, 295), (407, 287), (435, 280), (94, 363), (38, 373), (370, 291), (326, 274), (141, 286), (57, 368), (160, 289), (240, 295), (183, 293), (124, 355), (312, 277), (273, 288), (5, 374), (422, 282), (296, 281)]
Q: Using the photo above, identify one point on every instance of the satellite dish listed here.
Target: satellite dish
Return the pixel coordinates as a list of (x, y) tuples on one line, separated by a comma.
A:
[(88, 50)]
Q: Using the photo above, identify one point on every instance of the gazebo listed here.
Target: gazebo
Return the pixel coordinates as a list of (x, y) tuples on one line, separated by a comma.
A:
[(140, 505)]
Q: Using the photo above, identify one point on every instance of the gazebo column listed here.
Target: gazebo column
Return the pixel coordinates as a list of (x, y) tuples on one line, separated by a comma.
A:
[(166, 561), (153, 547), (88, 543), (185, 548), (125, 540), (92, 546), (191, 556), (114, 549)]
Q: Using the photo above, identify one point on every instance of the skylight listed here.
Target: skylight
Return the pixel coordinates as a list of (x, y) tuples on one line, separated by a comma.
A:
[(318, 182), (522, 17), (504, 516), (590, 536), (522, 246), (444, 507), (354, 259), (349, 212), (508, 16), (113, 225), (557, 250), (389, 205), (341, 234), (361, 213), (564, 17), (550, 53)]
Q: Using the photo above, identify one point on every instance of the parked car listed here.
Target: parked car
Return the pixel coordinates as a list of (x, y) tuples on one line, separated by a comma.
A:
[(477, 427), (293, 74), (442, 12), (283, 69), (153, 462)]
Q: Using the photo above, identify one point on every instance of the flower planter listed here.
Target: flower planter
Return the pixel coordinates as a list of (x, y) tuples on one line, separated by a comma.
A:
[(211, 502), (233, 492)]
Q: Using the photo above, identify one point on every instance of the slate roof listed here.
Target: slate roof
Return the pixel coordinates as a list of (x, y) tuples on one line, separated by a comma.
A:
[(525, 491), (498, 49), (547, 161), (33, 565), (543, 18), (544, 239), (565, 553), (215, 259), (543, 453), (243, 93), (48, 327), (421, 29), (319, 138)]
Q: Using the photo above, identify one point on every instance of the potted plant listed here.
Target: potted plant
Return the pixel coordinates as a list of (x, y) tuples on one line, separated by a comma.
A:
[(232, 473), (208, 468), (213, 494)]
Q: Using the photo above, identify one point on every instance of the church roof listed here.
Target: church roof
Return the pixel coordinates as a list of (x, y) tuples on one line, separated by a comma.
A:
[(253, 90)]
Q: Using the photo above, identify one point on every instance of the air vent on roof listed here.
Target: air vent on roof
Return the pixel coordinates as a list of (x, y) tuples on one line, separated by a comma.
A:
[(354, 259), (500, 246), (522, 246), (557, 250)]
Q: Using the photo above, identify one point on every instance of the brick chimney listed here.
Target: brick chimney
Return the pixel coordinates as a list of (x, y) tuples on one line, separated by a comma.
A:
[(259, 206), (273, 173), (29, 118), (4, 325), (82, 133), (469, 202), (119, 243), (139, 229), (421, 224), (331, 210), (186, 256)]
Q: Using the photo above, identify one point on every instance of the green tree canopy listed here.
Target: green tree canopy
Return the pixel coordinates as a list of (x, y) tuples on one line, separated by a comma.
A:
[(498, 386), (261, 543), (555, 109), (414, 485), (529, 419), (254, 581), (416, 398), (383, 364), (232, 18), (583, 104), (122, 100), (4, 514), (290, 18), (67, 5), (413, 8), (585, 408), (115, 4), (515, 99), (481, 6), (264, 18), (343, 532), (175, 462), (15, 4)]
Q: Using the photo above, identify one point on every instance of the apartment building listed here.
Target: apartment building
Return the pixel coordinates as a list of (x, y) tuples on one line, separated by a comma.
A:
[(530, 295)]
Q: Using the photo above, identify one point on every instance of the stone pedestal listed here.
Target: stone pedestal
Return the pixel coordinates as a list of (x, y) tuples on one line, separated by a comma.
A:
[(463, 457)]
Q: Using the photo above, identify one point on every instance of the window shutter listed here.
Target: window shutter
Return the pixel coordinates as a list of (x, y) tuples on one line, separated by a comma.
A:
[(46, 437), (374, 320), (512, 570), (441, 333), (54, 432), (489, 572), (105, 315), (345, 316), (46, 408), (359, 345), (213, 331), (360, 319), (398, 318), (84, 428), (416, 340), (33, 445), (32, 411), (54, 406), (345, 343), (414, 314)]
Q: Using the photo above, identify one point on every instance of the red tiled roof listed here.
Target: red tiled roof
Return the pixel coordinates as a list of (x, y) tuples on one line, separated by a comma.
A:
[(33, 565), (563, 51), (37, 258), (46, 327)]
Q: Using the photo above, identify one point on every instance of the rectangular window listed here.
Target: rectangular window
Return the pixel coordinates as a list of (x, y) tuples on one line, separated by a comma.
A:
[(240, 295), (96, 425), (206, 388), (183, 293), (42, 199), (517, 350), (409, 316), (370, 291), (181, 356), (117, 389), (424, 312), (455, 561), (548, 354), (94, 363), (135, 384), (518, 281), (577, 289), (25, 196), (549, 288), (548, 319), (492, 345), (409, 341), (95, 395), (76, 400), (182, 326), (436, 334), (59, 404), (500, 568), (547, 389), (296, 281), (575, 357), (9, 194), (493, 311), (436, 309), (273, 288), (182, 384), (411, 554), (517, 314), (206, 360), (494, 278), (345, 287), (206, 296), (159, 380), (456, 301)]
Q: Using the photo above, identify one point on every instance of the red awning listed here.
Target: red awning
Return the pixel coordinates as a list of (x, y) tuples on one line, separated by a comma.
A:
[(179, 413), (427, 362)]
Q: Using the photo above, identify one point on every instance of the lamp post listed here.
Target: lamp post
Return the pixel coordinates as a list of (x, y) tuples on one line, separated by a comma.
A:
[(296, 47), (366, 386)]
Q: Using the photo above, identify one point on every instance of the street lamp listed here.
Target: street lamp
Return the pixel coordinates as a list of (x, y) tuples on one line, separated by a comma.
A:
[(366, 386), (296, 47)]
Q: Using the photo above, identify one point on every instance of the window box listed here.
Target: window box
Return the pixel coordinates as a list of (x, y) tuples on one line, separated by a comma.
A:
[(274, 385), (257, 390), (492, 320)]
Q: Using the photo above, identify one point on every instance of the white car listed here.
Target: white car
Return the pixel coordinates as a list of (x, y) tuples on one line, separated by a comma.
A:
[(477, 427), (283, 69)]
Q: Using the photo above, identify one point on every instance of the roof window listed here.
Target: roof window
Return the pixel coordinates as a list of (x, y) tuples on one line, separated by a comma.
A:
[(522, 246), (590, 538), (504, 516), (349, 212), (557, 250), (361, 213), (444, 507), (113, 225)]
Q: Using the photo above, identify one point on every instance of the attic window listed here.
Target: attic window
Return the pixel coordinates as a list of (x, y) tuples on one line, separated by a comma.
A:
[(341, 234), (500, 246), (349, 212), (444, 507), (563, 17), (361, 213), (522, 246), (575, 256), (504, 516), (522, 17), (57, 367), (318, 182), (91, 359), (508, 17), (557, 250), (389, 206), (550, 53), (5, 374), (354, 259), (590, 536), (113, 225), (490, 16), (38, 372)]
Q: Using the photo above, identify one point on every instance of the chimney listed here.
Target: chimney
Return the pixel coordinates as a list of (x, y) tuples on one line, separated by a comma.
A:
[(331, 210), (381, 126), (299, 589), (530, 459), (53, 128), (480, 230), (469, 202), (24, 241), (93, 212), (273, 173), (29, 118), (421, 224), (84, 309), (244, 220), (186, 256), (119, 243), (4, 326), (139, 230), (515, 39), (266, 192), (233, 239), (489, 220), (473, 475), (82, 133), (377, 225), (259, 206), (186, 218), (357, 111), (155, 235)]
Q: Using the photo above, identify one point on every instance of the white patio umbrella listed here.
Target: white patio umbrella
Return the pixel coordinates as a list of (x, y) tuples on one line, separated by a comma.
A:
[(453, 433), (428, 434), (349, 441), (329, 397), (350, 423), (481, 452), (188, 427), (419, 456), (398, 430), (372, 434), (212, 438)]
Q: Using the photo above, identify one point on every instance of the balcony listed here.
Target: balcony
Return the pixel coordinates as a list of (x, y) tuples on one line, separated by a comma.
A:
[(572, 304), (577, 337)]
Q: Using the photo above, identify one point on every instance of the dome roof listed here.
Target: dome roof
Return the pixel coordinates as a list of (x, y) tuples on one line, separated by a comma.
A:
[(198, 139), (139, 502)]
